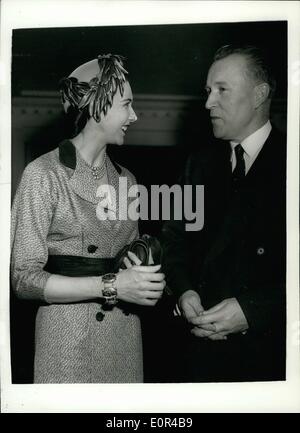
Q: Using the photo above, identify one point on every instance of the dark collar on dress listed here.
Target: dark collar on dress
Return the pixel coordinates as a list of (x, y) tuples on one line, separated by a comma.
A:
[(67, 156)]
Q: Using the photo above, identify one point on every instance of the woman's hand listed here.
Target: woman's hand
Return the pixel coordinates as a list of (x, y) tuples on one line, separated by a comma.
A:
[(141, 285), (134, 260)]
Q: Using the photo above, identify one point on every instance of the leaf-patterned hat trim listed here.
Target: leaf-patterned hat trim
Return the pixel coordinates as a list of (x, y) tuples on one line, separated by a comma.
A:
[(94, 85)]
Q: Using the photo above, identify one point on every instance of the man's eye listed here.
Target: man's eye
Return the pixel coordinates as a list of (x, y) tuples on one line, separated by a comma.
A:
[(222, 89)]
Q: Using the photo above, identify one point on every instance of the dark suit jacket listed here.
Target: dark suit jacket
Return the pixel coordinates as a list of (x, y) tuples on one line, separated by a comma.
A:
[(241, 253)]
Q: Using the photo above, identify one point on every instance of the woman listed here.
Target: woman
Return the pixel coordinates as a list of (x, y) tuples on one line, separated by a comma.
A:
[(87, 330)]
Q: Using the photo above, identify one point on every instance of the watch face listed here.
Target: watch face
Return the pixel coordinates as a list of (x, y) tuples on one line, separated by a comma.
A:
[(109, 292)]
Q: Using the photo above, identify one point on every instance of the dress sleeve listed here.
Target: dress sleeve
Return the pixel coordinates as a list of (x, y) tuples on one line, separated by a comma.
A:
[(131, 181), (32, 212)]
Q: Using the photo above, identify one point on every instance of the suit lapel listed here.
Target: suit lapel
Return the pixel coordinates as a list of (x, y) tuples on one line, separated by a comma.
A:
[(218, 184), (262, 166)]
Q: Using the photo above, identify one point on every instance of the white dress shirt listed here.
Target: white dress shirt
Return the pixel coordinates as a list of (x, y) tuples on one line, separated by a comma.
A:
[(252, 145)]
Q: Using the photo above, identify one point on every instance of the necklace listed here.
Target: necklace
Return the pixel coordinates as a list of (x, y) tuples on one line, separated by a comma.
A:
[(99, 171)]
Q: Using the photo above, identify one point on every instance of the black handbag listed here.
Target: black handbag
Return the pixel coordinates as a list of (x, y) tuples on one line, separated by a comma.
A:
[(143, 247)]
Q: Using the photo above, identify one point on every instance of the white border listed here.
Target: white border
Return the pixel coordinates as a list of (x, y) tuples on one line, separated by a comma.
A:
[(246, 397)]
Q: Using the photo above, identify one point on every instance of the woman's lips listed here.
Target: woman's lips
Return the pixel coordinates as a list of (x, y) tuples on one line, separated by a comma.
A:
[(124, 128)]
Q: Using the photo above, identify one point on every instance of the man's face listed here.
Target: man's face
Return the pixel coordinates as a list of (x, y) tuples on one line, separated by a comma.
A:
[(231, 98)]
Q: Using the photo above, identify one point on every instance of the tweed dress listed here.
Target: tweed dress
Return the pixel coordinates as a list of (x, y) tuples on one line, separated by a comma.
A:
[(54, 213)]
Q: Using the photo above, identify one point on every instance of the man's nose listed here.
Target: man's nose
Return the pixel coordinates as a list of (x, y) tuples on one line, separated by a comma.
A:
[(211, 101), (132, 116)]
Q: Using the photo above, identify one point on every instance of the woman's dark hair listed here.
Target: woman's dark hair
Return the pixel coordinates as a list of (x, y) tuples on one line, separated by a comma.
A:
[(76, 120), (258, 66)]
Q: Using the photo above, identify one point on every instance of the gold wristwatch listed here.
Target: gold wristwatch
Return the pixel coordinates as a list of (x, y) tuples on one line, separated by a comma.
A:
[(109, 291)]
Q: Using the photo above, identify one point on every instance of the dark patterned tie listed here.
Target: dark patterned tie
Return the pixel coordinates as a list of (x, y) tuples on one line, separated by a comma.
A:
[(239, 171)]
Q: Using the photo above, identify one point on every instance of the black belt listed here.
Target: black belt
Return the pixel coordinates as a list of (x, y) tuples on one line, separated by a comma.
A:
[(76, 266)]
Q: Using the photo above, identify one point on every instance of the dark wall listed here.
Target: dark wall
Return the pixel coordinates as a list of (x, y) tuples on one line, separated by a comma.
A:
[(161, 59)]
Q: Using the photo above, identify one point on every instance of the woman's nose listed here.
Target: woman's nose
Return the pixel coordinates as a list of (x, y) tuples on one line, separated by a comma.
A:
[(132, 116)]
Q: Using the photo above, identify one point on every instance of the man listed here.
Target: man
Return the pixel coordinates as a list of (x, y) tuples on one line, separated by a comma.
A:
[(229, 278)]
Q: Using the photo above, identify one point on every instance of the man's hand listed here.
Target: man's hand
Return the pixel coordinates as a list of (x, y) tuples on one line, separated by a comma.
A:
[(190, 305), (225, 318)]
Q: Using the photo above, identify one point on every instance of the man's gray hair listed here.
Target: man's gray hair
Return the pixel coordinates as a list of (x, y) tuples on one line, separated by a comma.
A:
[(258, 65)]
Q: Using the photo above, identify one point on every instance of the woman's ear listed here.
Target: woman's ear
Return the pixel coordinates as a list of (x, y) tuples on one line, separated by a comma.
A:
[(262, 92)]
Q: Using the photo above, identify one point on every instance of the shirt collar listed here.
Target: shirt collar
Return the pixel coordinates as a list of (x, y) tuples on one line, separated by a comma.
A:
[(254, 142)]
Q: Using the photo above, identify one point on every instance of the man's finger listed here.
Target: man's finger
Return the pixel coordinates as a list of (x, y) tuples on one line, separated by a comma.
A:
[(195, 321), (205, 319), (215, 308), (199, 332), (199, 309), (218, 336), (189, 311), (216, 327), (208, 327)]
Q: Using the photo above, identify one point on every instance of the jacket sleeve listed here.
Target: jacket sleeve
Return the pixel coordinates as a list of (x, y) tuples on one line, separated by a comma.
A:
[(265, 313), (263, 300), (176, 263), (32, 211)]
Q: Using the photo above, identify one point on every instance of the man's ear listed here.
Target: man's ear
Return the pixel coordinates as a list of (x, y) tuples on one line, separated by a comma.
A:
[(261, 93)]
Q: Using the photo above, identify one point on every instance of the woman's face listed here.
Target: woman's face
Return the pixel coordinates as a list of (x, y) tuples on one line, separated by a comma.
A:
[(113, 126)]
